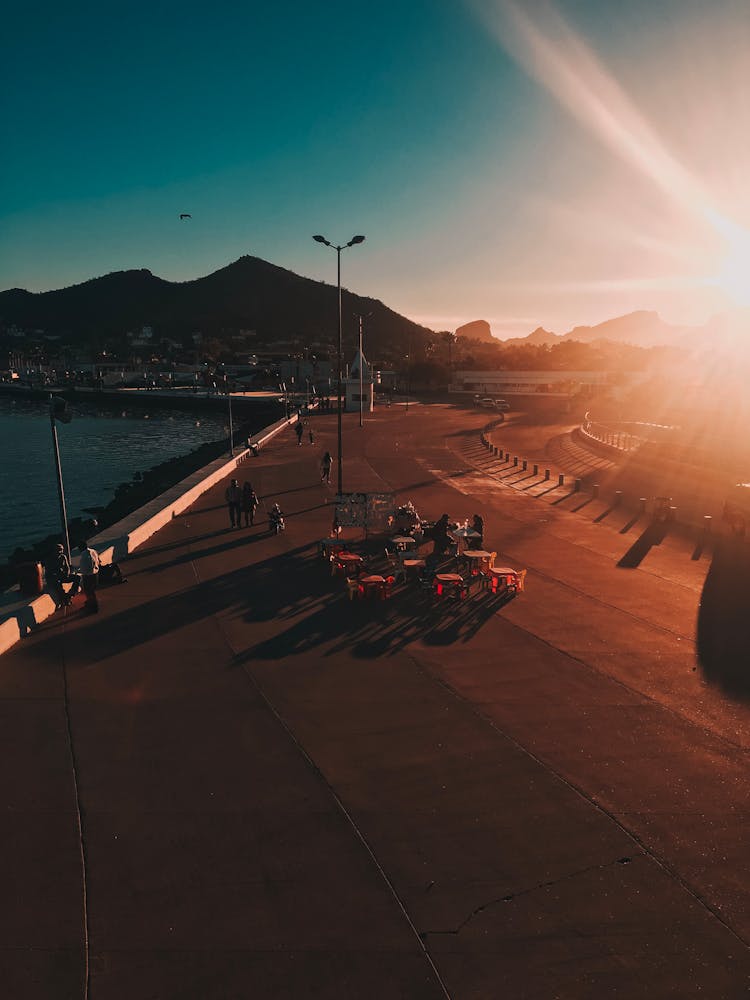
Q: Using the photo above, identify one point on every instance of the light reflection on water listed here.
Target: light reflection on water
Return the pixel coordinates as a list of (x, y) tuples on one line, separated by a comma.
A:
[(99, 449)]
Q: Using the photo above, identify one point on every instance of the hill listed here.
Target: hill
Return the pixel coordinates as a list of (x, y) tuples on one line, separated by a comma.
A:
[(249, 294), (478, 329), (640, 329)]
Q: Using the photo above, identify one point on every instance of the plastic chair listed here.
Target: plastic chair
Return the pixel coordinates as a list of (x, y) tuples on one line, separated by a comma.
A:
[(395, 565)]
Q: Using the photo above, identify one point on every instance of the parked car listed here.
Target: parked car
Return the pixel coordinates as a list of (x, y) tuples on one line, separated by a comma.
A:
[(502, 404), (487, 403)]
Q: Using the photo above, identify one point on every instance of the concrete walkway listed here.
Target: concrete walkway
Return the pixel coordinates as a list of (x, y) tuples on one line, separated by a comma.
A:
[(233, 782)]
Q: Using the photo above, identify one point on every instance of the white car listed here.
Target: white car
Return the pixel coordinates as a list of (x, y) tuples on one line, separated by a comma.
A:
[(502, 404)]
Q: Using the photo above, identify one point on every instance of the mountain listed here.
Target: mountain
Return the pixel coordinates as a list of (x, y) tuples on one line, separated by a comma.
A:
[(478, 329), (641, 329), (249, 294)]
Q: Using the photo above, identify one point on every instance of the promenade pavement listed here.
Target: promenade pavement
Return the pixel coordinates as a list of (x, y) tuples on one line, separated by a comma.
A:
[(233, 782)]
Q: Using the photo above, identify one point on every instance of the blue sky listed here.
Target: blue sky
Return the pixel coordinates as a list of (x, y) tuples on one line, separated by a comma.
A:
[(541, 164)]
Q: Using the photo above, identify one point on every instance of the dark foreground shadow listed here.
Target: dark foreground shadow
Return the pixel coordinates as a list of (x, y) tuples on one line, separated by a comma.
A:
[(723, 633)]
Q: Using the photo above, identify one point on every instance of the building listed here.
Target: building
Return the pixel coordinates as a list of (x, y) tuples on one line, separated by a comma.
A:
[(358, 385)]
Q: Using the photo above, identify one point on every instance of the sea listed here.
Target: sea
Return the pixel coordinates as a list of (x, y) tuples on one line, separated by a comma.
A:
[(100, 448)]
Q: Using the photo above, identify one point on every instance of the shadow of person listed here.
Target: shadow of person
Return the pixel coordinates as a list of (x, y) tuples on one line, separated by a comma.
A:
[(723, 631)]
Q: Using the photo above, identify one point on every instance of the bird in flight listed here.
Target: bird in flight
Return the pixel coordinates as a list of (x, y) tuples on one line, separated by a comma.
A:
[(186, 215)]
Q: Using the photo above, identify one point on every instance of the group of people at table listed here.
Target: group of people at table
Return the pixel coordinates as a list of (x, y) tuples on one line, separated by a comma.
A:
[(454, 546)]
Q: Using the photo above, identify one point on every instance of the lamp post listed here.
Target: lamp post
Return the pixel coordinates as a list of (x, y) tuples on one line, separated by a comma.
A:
[(58, 410), (352, 242)]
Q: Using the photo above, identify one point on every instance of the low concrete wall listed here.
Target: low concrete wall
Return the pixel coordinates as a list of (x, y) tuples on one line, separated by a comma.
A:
[(117, 541)]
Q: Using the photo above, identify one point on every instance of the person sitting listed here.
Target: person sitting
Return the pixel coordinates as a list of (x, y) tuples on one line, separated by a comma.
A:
[(440, 536), (477, 525), (58, 572)]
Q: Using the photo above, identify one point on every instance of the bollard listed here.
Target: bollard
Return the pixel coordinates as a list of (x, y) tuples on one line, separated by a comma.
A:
[(561, 480), (618, 498), (577, 486), (536, 470), (495, 452), (524, 466), (595, 490), (507, 456), (707, 520), (515, 459), (643, 502), (546, 473)]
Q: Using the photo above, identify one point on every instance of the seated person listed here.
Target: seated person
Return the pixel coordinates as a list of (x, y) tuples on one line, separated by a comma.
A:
[(477, 524), (440, 536), (58, 572)]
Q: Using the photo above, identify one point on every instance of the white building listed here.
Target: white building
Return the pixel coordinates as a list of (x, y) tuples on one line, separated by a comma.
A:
[(358, 388)]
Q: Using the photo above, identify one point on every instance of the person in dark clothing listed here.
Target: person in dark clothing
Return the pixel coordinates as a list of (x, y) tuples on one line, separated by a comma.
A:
[(233, 497), (326, 467), (249, 503), (440, 536), (477, 524), (58, 572)]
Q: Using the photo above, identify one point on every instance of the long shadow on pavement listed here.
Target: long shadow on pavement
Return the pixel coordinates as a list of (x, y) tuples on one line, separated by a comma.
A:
[(653, 534)]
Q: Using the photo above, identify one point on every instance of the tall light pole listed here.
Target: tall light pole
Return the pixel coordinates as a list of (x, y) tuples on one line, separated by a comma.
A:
[(352, 242), (361, 319), (58, 410)]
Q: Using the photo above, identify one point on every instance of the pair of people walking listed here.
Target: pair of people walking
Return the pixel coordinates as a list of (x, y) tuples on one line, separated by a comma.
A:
[(241, 502)]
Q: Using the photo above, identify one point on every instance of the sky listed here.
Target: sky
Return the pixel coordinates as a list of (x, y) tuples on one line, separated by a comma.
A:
[(529, 163)]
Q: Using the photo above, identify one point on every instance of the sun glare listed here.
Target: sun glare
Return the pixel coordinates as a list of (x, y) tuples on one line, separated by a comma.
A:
[(733, 277)]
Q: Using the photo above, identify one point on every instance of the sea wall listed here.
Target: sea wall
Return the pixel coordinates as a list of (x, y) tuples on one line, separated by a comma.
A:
[(19, 615)]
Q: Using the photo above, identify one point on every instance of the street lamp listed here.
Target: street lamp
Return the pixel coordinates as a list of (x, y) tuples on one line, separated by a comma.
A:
[(352, 242)]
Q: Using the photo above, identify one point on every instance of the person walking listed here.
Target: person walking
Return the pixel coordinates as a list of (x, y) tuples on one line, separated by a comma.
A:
[(233, 497), (311, 435), (299, 430), (89, 565), (326, 468), (249, 503), (58, 571)]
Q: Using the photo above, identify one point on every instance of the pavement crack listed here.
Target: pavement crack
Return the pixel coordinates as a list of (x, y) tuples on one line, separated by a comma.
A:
[(509, 897)]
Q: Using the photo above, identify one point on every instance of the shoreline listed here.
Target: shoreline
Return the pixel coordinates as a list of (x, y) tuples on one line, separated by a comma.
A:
[(143, 486)]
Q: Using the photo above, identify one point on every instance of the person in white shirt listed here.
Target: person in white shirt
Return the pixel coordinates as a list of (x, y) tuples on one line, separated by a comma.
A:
[(89, 567)]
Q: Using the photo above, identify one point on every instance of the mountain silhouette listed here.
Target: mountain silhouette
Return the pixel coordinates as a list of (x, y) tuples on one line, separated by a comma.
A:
[(249, 294), (640, 329)]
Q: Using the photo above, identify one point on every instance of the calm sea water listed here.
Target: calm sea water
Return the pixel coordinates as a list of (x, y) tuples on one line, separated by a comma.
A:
[(99, 449)]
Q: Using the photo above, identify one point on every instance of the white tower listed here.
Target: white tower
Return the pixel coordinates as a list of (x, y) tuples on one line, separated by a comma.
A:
[(353, 382)]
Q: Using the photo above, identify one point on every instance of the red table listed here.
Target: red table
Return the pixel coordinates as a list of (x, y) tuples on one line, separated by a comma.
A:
[(372, 586), (449, 585), (345, 563)]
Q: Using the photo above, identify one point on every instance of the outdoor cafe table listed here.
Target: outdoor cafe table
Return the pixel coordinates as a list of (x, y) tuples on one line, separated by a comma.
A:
[(448, 583), (330, 545), (477, 559), (345, 562), (413, 565), (372, 586), (403, 542), (462, 535), (502, 579)]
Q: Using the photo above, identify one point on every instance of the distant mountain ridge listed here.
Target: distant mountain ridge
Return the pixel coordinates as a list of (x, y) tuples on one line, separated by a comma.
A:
[(249, 294), (642, 328)]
